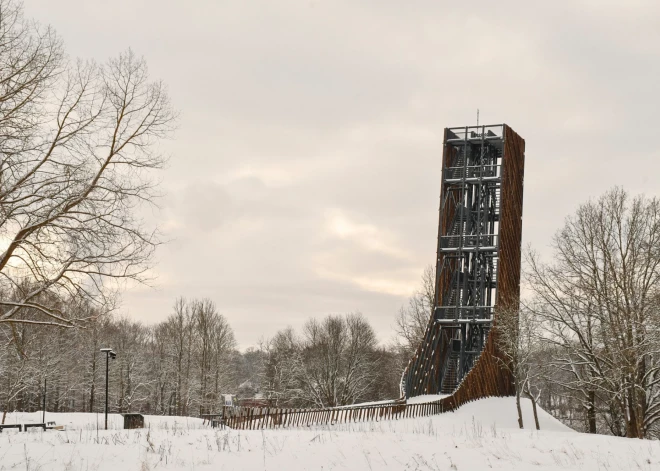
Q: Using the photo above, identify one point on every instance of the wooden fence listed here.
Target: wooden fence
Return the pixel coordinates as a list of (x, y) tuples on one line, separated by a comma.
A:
[(255, 418)]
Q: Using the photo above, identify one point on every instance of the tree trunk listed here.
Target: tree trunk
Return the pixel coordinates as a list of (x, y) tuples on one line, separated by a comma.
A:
[(92, 392), (632, 426), (591, 411), (536, 416), (4, 415), (641, 398), (520, 419)]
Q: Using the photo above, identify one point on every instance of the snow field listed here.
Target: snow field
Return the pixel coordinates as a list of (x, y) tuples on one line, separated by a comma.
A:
[(481, 435)]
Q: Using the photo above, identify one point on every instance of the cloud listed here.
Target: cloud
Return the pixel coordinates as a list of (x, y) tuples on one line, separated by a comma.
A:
[(362, 254), (401, 287), (365, 236)]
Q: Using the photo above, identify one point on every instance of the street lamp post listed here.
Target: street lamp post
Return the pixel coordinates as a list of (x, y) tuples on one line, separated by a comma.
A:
[(108, 354)]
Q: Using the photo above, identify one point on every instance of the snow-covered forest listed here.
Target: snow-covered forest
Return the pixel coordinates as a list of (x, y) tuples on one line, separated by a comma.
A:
[(183, 365)]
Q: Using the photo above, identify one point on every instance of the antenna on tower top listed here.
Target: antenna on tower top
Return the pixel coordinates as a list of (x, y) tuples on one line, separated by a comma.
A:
[(477, 116)]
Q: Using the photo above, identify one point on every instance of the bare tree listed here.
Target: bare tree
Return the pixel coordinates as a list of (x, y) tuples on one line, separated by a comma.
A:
[(131, 373), (31, 62), (412, 319), (338, 357), (517, 340), (15, 369), (160, 361), (222, 350), (178, 327), (283, 369), (78, 142), (598, 301), (215, 340), (333, 363)]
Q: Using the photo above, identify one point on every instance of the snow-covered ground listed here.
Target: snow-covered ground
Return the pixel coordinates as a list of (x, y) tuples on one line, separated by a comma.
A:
[(479, 436)]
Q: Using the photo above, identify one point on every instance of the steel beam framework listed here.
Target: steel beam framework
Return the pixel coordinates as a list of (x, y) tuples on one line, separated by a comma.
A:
[(477, 266)]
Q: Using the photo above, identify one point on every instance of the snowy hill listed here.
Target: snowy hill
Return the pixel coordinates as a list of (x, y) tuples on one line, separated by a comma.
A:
[(479, 436)]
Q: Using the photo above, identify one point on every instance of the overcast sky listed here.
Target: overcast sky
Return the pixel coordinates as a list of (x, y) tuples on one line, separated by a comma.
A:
[(304, 178)]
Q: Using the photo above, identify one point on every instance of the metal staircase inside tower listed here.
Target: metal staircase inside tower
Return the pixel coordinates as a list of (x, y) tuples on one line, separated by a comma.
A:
[(468, 248), (450, 378)]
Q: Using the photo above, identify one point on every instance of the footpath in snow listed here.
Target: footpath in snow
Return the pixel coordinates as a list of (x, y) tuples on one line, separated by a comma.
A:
[(479, 436)]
